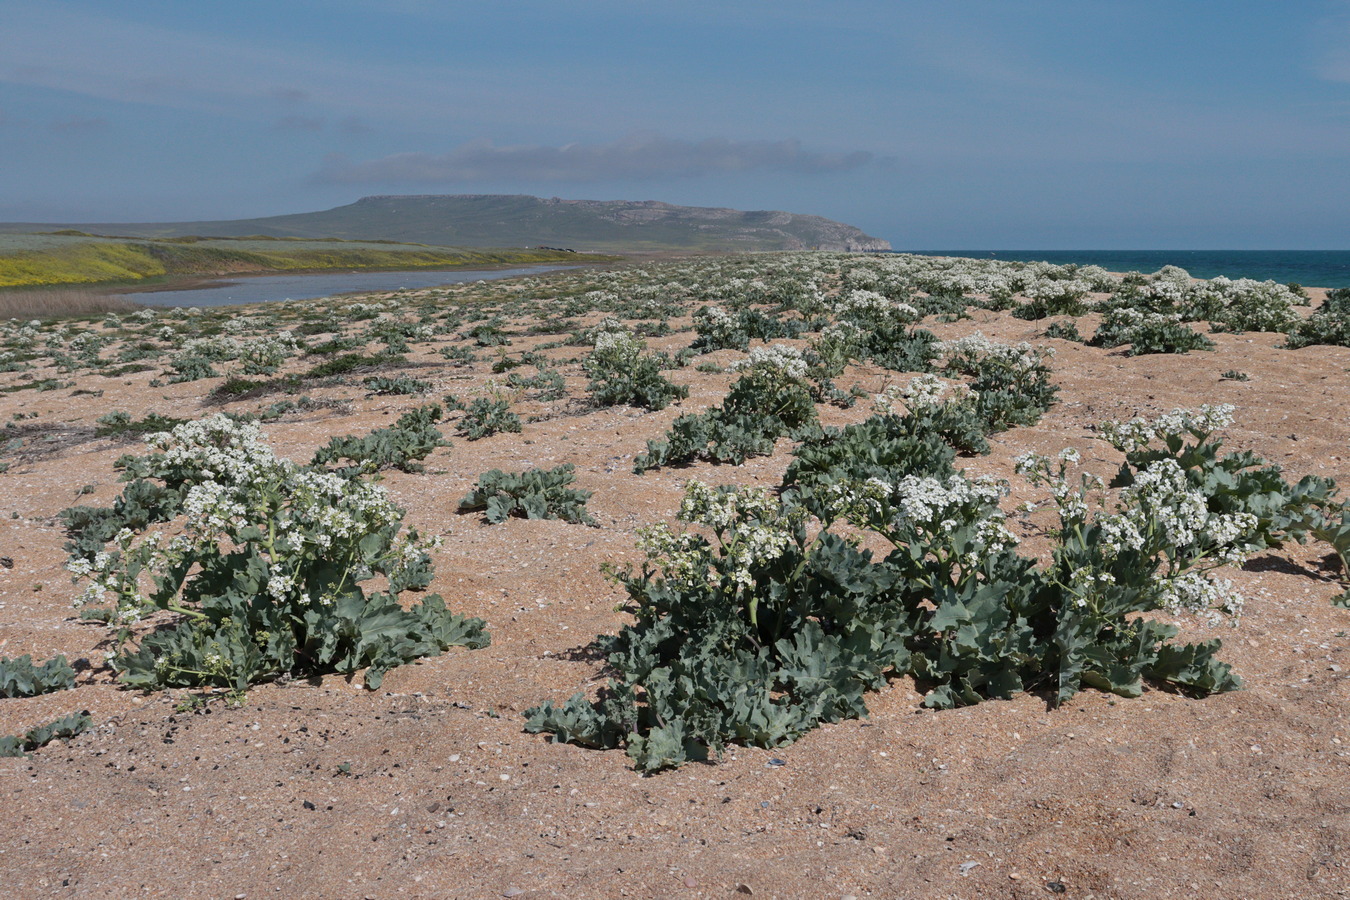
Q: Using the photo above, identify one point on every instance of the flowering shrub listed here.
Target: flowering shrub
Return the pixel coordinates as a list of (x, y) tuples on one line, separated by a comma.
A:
[(1329, 323), (264, 568), (718, 330), (1147, 332), (620, 373), (760, 631), (264, 355), (1011, 383), (770, 400)]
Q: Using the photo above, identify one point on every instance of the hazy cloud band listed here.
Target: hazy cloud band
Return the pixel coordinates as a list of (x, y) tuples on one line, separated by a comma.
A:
[(643, 156)]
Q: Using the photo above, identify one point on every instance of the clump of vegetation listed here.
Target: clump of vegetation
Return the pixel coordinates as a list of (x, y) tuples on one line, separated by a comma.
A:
[(546, 383), (756, 628), (349, 362), (1328, 324), (20, 678), (63, 728), (1148, 333), (533, 494), (401, 446), (380, 384), (771, 400), (267, 576), (1011, 383), (1065, 330), (621, 373), (485, 417), (119, 422)]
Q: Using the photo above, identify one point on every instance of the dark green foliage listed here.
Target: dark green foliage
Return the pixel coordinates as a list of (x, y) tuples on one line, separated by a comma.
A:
[(547, 384), (234, 386), (140, 504), (240, 639), (335, 346), (381, 384), (64, 728), (348, 362), (1329, 323), (484, 417), (622, 375), (882, 446), (534, 494), (901, 350), (1148, 333), (458, 356), (400, 446), (757, 411), (1066, 330), (1013, 385), (20, 678), (488, 335), (119, 422)]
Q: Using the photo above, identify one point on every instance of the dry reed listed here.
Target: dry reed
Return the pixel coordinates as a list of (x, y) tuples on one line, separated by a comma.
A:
[(60, 303)]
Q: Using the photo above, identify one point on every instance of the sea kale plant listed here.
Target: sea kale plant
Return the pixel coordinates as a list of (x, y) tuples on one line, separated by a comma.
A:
[(20, 678), (772, 399), (486, 416), (401, 446), (621, 372), (755, 625), (533, 494), (1328, 324), (1011, 383), (264, 564), (1148, 332)]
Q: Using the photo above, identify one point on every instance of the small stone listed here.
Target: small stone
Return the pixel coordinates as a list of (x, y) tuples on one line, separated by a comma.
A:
[(690, 881), (777, 762), (513, 892), (744, 889)]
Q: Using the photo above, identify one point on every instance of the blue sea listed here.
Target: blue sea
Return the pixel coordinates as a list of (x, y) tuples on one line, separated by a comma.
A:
[(1310, 268)]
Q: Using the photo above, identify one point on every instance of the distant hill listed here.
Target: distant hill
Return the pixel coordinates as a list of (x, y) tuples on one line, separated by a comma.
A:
[(517, 220)]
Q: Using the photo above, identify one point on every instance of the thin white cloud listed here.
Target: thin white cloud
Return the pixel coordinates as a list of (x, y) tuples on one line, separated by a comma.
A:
[(636, 157), (1331, 40)]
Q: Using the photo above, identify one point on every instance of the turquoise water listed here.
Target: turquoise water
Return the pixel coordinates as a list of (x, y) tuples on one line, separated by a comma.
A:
[(265, 288), (1310, 268)]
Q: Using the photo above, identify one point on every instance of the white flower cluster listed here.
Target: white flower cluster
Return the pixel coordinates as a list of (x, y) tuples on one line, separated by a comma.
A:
[(264, 354), (618, 342), (234, 481), (1139, 432), (212, 348), (1057, 289), (1194, 592), (778, 362), (976, 346), (865, 305), (922, 392), (752, 528), (1162, 503)]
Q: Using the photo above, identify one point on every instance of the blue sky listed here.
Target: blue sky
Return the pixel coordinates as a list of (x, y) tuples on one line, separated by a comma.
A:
[(936, 124)]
